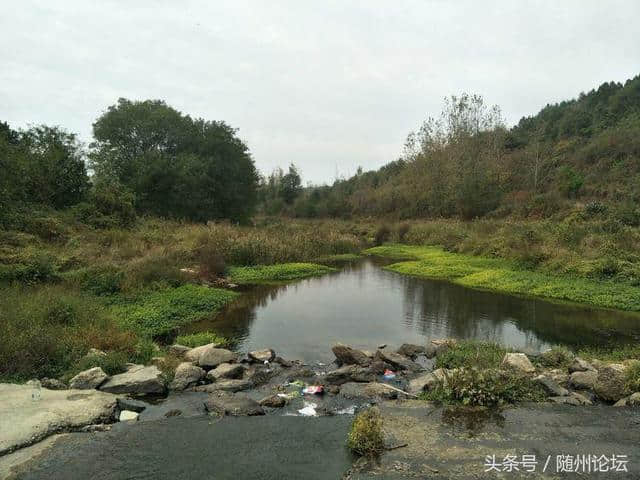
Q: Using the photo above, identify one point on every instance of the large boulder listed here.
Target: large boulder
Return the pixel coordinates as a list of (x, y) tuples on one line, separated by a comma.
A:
[(580, 365), (583, 380), (24, 421), (210, 356), (349, 373), (517, 362), (52, 384), (88, 379), (610, 385), (397, 361), (138, 380), (410, 350), (178, 350), (187, 374), (551, 386), (273, 401), (236, 405), (226, 370), (225, 385), (346, 355), (261, 356)]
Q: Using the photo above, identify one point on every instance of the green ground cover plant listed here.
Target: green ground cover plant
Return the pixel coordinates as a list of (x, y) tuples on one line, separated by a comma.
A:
[(277, 273)]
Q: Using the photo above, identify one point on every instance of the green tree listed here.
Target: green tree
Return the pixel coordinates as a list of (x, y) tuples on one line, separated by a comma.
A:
[(290, 185), (174, 165)]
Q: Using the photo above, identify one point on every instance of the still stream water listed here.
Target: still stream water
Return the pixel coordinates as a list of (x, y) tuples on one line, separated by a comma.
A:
[(364, 306)]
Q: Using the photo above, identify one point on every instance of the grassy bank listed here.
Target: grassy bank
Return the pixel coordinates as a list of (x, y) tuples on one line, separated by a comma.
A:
[(278, 273), (506, 276), (66, 287)]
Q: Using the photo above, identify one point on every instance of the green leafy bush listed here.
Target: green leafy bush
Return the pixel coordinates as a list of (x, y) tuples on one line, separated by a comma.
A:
[(469, 353), (112, 363), (632, 377), (277, 273), (365, 437), (471, 386), (556, 357)]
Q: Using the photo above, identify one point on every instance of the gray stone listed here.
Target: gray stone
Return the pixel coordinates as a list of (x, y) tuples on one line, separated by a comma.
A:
[(346, 355), (178, 350), (53, 384), (634, 399), (349, 373), (573, 398), (226, 385), (128, 416), (212, 357), (551, 386), (186, 375), (273, 401), (209, 351), (398, 361), (94, 352), (125, 403), (282, 362), (261, 356), (580, 365), (518, 362), (235, 405), (138, 380), (88, 379), (226, 370), (24, 421), (410, 350), (583, 380), (610, 385)]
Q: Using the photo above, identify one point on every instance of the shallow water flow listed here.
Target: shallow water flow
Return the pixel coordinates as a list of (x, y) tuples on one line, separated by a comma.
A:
[(365, 305)]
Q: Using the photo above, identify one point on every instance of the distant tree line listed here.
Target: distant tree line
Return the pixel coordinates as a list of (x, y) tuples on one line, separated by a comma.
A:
[(467, 164), (146, 158)]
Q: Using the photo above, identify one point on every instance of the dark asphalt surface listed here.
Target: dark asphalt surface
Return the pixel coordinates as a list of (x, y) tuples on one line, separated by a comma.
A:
[(269, 447)]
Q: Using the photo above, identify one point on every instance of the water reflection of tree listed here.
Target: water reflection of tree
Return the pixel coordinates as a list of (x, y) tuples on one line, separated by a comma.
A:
[(432, 307)]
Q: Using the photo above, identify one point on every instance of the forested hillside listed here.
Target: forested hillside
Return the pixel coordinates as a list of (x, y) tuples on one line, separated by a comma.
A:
[(581, 154)]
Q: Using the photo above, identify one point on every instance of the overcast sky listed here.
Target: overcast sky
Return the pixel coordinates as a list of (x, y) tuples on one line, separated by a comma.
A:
[(328, 85)]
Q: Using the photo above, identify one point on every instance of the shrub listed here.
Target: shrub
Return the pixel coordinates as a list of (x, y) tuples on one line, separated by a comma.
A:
[(103, 280), (382, 235), (471, 386), (557, 357), (402, 231), (35, 268), (201, 338), (632, 377), (112, 363), (469, 353), (365, 437), (210, 261)]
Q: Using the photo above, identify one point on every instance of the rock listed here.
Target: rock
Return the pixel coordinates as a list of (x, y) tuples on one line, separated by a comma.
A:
[(176, 412), (411, 351), (398, 361), (193, 355), (53, 384), (212, 357), (261, 356), (378, 366), (610, 385), (89, 379), (140, 381), (349, 373), (24, 421), (235, 405), (282, 362), (551, 386), (423, 383), (226, 370), (273, 401), (622, 402), (300, 372), (580, 365), (186, 375), (125, 403), (380, 390), (382, 345), (573, 398), (346, 355), (333, 389), (230, 385), (128, 416), (178, 350), (634, 400), (439, 346), (583, 380), (517, 362)]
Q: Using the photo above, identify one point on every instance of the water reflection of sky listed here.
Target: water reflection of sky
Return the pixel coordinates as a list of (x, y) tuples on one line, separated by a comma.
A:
[(365, 306)]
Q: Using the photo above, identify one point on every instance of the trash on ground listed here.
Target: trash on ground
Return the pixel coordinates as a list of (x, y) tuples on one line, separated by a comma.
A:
[(313, 390), (347, 410), (309, 410), (389, 374)]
